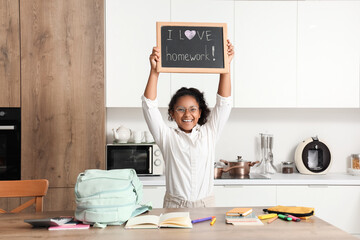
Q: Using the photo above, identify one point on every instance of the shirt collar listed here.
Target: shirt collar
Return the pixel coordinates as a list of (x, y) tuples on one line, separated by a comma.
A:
[(195, 130)]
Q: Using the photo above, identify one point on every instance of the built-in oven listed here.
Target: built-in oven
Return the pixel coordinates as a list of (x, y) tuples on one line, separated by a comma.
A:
[(10, 144)]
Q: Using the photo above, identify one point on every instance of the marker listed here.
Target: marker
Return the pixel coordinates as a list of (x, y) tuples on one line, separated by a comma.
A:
[(213, 221), (202, 219), (267, 216), (284, 217), (273, 219), (295, 219)]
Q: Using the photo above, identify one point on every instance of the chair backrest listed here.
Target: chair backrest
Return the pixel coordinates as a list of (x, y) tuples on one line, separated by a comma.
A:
[(25, 188)]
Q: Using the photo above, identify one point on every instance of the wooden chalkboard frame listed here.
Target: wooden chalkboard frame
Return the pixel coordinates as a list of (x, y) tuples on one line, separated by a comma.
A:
[(225, 69)]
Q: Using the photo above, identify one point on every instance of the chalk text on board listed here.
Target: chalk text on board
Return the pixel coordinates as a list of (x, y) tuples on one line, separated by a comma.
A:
[(187, 57), (190, 34)]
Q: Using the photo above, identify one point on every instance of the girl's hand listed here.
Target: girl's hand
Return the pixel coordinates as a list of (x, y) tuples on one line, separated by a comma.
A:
[(230, 51), (154, 58)]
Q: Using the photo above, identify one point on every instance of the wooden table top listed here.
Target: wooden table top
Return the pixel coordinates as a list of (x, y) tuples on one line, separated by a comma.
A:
[(12, 226)]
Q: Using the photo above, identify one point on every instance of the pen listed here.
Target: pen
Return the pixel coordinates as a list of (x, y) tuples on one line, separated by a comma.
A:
[(273, 219), (213, 221), (284, 217), (295, 219), (201, 219)]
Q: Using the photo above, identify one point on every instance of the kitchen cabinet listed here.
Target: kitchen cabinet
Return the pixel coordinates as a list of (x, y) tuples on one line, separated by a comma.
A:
[(225, 196), (338, 205), (328, 54), (200, 11), (62, 102), (265, 61), (240, 195), (9, 54), (289, 54), (155, 195), (130, 37)]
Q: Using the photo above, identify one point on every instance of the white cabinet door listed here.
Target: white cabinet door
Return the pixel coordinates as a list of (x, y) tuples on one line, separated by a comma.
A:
[(130, 37), (265, 61), (155, 195), (245, 196), (201, 11), (338, 205), (328, 54)]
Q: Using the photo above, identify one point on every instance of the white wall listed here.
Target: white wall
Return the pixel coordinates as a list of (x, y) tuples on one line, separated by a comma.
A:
[(338, 128)]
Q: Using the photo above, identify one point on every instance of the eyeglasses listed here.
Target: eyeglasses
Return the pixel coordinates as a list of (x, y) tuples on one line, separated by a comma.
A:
[(182, 110)]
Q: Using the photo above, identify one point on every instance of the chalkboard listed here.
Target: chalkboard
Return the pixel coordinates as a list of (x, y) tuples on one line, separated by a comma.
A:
[(192, 47)]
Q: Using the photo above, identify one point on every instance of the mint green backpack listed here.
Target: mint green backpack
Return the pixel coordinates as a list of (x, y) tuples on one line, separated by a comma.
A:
[(108, 197)]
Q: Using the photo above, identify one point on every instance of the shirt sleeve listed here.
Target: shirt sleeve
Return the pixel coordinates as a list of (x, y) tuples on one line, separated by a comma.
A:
[(153, 118), (219, 115)]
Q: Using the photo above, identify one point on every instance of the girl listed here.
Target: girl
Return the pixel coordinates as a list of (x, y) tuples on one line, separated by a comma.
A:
[(188, 150)]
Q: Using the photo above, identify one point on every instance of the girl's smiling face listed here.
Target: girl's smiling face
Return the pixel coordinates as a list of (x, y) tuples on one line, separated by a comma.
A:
[(186, 113)]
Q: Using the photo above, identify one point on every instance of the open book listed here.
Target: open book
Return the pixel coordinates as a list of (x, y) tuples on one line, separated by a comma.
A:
[(172, 220)]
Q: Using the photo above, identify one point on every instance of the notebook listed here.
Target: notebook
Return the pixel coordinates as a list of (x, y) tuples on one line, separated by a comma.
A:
[(70, 227), (239, 212), (250, 219), (170, 220)]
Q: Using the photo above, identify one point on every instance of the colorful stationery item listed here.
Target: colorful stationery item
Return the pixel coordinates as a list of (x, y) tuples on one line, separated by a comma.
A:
[(267, 216), (272, 219), (239, 212), (295, 219), (284, 217), (213, 221), (202, 219)]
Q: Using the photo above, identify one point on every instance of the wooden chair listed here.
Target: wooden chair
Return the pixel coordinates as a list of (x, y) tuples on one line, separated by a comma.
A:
[(25, 188)]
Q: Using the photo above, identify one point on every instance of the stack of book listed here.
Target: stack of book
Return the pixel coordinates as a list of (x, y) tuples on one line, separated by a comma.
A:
[(242, 216)]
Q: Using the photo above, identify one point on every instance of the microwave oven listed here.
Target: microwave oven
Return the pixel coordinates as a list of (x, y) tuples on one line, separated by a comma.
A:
[(146, 159)]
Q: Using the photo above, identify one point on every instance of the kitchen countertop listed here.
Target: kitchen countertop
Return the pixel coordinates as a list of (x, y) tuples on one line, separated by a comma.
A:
[(330, 179)]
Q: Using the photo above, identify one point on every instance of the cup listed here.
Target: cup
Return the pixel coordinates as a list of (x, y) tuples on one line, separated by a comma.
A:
[(148, 137), (138, 136)]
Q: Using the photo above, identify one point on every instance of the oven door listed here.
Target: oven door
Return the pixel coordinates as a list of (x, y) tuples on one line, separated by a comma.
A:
[(138, 157), (10, 144)]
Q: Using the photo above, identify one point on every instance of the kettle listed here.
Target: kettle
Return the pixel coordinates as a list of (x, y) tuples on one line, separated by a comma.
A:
[(121, 134)]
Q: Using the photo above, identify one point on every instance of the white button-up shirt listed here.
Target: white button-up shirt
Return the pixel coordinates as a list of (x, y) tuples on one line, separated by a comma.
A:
[(189, 157)]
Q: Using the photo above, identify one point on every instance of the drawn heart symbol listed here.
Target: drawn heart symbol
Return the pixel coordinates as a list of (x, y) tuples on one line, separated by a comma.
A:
[(190, 34)]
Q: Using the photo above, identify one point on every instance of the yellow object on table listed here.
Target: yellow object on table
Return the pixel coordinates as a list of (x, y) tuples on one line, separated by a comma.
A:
[(267, 216)]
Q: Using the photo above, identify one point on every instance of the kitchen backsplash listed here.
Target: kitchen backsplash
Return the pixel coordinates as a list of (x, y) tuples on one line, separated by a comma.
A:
[(338, 128)]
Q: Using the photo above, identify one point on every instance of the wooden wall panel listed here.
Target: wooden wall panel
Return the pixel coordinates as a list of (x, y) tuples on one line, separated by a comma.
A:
[(9, 54), (59, 199), (63, 106)]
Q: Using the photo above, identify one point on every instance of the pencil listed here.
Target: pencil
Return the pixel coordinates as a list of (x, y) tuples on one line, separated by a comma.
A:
[(273, 219)]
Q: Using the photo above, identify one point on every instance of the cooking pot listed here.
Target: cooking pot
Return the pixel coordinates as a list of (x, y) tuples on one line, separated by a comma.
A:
[(237, 168)]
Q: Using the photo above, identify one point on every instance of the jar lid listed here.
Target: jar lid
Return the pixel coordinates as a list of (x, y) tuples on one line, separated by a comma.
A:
[(287, 163), (355, 155)]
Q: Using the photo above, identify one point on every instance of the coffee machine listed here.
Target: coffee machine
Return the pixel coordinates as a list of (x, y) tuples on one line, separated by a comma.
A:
[(312, 157)]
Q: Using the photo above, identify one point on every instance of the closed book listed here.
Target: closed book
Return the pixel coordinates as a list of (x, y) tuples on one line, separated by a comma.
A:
[(70, 227), (250, 219), (170, 220), (239, 212)]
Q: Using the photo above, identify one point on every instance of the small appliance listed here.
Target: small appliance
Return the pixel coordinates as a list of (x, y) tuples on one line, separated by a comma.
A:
[(312, 157), (145, 158)]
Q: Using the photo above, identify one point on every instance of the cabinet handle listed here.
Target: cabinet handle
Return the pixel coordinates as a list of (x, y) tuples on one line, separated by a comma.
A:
[(12, 127), (233, 186), (318, 186)]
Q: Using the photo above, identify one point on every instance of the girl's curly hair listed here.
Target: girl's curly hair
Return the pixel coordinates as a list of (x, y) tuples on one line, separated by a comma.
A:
[(199, 97)]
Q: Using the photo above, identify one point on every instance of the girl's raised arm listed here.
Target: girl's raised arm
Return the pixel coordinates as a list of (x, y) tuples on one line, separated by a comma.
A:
[(151, 86), (224, 88)]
